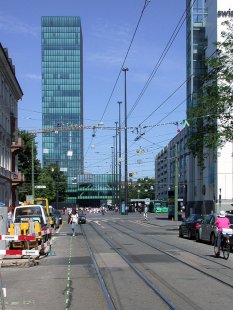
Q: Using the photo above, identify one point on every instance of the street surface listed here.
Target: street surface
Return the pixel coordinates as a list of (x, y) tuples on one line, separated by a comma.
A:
[(140, 265)]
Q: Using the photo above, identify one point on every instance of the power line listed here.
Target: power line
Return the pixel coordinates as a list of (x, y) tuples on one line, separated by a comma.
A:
[(114, 87), (162, 56)]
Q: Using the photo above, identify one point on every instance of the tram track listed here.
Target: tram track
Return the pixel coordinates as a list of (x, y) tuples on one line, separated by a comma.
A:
[(145, 279), (228, 284), (180, 248), (103, 285)]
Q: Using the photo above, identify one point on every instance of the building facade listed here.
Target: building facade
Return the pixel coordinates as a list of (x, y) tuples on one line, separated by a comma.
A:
[(211, 188), (165, 162), (62, 96), (10, 143)]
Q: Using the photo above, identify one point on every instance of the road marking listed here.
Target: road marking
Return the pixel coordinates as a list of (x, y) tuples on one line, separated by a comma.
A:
[(68, 284)]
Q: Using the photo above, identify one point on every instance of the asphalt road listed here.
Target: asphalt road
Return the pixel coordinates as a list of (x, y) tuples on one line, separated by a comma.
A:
[(185, 273)]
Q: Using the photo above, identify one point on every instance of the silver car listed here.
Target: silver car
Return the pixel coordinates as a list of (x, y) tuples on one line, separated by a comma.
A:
[(206, 231)]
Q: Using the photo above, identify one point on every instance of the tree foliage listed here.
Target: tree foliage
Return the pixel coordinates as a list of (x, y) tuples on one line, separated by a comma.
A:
[(50, 176), (25, 158), (55, 182), (142, 188), (211, 119)]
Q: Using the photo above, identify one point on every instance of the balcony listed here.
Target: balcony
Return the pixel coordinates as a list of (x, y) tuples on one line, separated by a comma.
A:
[(17, 178), (17, 145), (6, 174)]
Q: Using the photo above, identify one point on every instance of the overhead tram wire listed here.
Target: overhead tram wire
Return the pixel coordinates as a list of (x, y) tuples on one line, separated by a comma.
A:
[(122, 66), (161, 58), (162, 103), (158, 123), (114, 87), (145, 5)]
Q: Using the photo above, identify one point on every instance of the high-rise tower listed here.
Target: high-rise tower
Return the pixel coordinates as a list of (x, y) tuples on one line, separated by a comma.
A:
[(62, 95)]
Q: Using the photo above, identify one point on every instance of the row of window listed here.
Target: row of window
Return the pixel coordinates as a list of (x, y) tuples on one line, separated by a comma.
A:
[(50, 98), (56, 22), (63, 83), (64, 58), (63, 42), (67, 47), (68, 105), (58, 70), (60, 35), (52, 84), (61, 76), (52, 64), (71, 91), (74, 52), (60, 110)]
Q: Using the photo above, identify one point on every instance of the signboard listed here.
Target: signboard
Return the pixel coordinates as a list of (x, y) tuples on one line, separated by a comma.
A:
[(40, 186), (147, 201)]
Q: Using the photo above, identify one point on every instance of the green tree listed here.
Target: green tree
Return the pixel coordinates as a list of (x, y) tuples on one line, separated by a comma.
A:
[(25, 163), (211, 119), (55, 183), (145, 186)]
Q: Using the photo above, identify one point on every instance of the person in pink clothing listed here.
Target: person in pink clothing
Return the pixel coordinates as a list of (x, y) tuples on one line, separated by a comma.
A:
[(221, 222)]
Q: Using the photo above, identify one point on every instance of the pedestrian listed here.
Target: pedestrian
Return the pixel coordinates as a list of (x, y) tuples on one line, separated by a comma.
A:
[(145, 212), (74, 221), (9, 216)]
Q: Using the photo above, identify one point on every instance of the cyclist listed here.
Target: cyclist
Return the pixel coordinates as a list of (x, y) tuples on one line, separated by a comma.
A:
[(221, 222)]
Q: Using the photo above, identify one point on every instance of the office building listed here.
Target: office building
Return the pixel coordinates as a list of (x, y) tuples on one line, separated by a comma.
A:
[(62, 96), (211, 188)]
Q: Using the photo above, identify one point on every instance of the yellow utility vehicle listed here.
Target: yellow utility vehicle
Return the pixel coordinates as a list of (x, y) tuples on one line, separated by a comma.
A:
[(48, 209), (29, 221)]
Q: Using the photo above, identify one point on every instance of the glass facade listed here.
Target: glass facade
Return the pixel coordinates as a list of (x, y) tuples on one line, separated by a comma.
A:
[(94, 189), (195, 49), (62, 95)]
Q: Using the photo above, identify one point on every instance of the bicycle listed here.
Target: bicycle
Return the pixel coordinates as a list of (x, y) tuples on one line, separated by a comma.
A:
[(225, 246)]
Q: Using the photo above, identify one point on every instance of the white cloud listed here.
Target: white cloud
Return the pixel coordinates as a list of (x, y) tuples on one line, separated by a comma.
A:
[(11, 25)]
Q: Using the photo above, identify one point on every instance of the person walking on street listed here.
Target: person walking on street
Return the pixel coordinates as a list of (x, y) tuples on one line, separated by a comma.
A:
[(9, 216), (145, 212), (74, 221)]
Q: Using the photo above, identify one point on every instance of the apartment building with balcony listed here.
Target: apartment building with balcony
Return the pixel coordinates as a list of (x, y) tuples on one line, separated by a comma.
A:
[(10, 143)]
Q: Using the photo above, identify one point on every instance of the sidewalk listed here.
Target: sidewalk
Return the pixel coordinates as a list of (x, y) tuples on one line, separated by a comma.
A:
[(65, 280)]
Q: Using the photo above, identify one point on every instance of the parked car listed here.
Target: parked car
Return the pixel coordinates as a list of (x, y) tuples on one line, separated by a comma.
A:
[(207, 231), (82, 218), (189, 226)]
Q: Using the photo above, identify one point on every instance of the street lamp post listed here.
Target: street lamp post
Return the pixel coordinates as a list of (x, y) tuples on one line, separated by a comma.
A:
[(119, 184), (112, 175), (57, 191), (126, 147), (114, 172), (33, 179), (116, 166)]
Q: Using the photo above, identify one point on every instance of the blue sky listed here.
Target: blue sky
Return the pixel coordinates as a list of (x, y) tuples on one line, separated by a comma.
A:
[(108, 27)]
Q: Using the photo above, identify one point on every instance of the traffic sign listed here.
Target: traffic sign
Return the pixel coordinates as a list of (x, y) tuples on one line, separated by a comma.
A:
[(147, 201)]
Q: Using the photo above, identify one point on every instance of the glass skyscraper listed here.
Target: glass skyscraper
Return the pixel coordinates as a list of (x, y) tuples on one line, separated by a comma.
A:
[(62, 96)]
